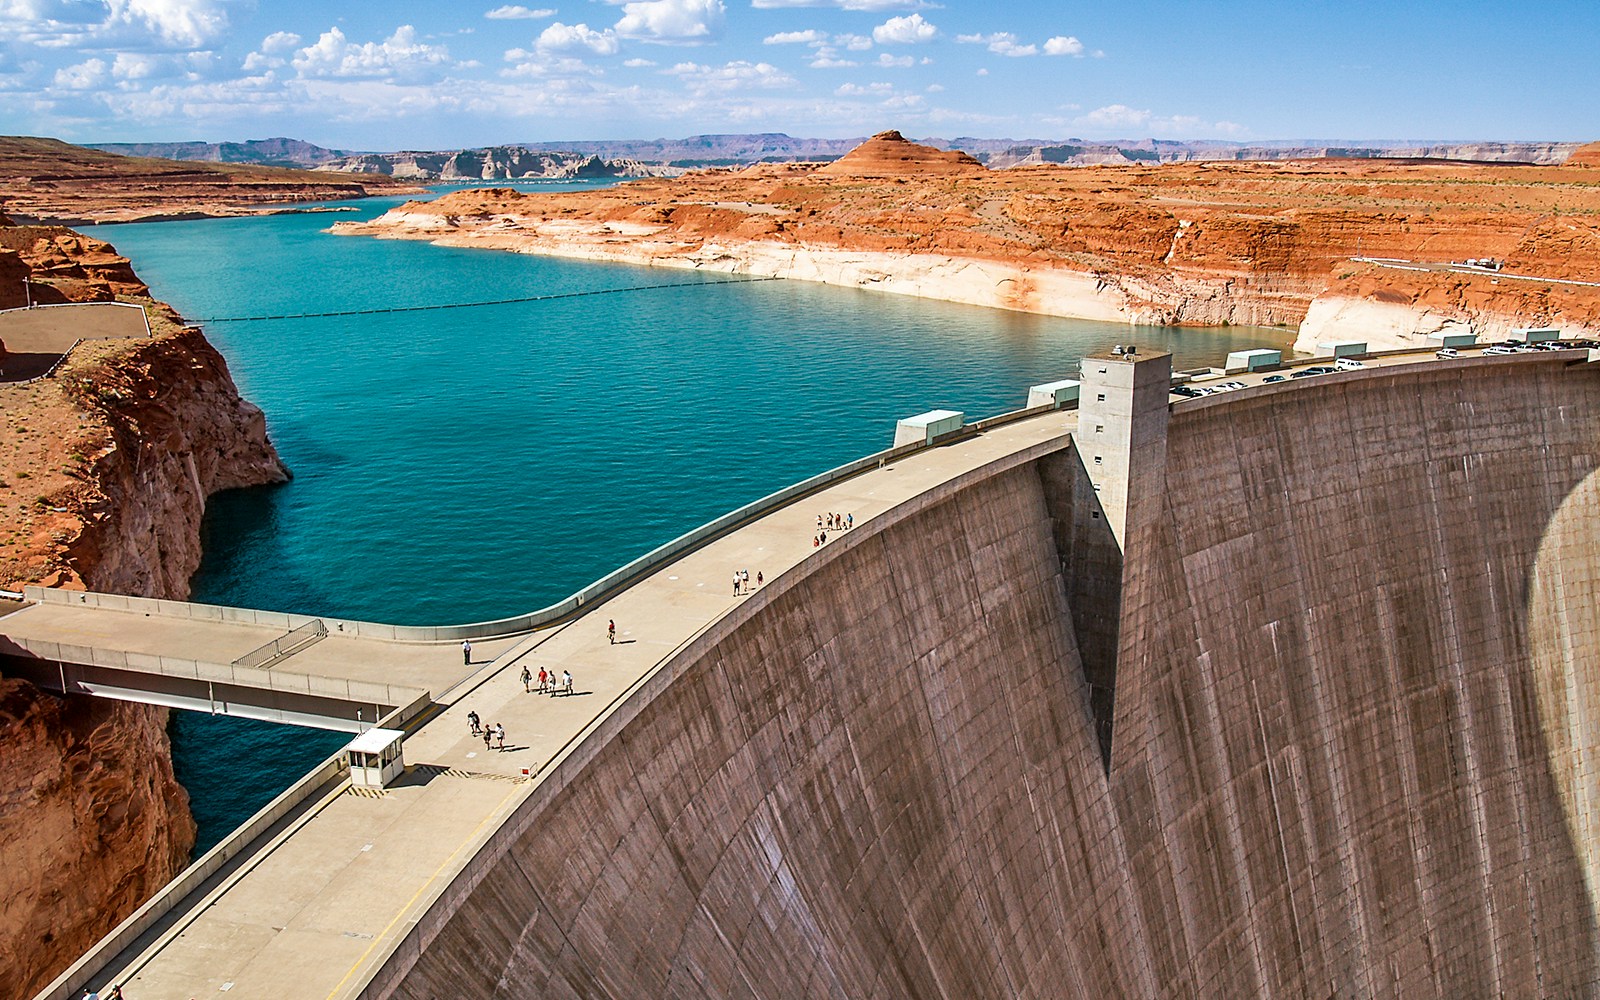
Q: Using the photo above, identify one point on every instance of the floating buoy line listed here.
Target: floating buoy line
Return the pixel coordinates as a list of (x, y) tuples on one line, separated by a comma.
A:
[(486, 302)]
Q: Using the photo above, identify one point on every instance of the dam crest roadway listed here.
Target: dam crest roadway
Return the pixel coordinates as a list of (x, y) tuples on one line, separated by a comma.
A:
[(338, 891)]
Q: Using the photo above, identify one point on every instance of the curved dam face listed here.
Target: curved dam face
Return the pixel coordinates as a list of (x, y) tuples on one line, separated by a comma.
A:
[(1348, 755)]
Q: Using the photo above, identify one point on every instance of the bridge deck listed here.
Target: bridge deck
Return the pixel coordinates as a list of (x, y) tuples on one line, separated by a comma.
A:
[(314, 911), (428, 666)]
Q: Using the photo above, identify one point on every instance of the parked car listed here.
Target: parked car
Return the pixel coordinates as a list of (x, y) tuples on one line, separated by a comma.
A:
[(1499, 349), (1446, 353), (1274, 378), (1347, 365), (1188, 391)]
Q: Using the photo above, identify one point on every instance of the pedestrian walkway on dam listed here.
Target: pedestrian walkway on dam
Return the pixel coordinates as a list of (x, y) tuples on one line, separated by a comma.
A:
[(317, 907)]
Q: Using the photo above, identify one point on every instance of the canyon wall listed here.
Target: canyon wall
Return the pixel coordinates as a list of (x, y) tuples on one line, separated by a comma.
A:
[(1348, 755), (492, 163), (1343, 249), (131, 439)]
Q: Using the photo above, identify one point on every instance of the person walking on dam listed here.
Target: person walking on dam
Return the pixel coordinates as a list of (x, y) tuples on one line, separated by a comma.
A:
[(527, 679), (488, 734), (466, 652), (611, 631), (500, 735), (474, 722), (566, 681), (544, 680)]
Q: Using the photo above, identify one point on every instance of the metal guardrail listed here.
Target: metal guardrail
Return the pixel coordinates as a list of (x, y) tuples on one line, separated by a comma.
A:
[(288, 644), (73, 981), (611, 582), (309, 685)]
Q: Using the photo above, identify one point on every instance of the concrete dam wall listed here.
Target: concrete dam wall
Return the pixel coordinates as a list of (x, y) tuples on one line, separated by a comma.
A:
[(1349, 750)]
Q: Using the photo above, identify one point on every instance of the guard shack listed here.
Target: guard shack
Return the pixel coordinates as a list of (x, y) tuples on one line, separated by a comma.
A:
[(375, 757)]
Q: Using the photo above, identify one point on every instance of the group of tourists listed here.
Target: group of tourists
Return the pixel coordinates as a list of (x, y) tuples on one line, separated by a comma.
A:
[(494, 731), (831, 522), (548, 684)]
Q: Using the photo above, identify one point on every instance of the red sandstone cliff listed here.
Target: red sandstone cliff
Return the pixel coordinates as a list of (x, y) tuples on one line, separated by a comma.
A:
[(1587, 155), (1196, 243), (46, 180), (103, 480)]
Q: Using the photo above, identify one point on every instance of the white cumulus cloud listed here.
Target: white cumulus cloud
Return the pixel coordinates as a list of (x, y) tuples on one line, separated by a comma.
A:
[(672, 22), (1001, 43), (123, 24), (908, 30), (1063, 45), (733, 76), (84, 76), (828, 58), (567, 37), (885, 59), (280, 41), (333, 55), (515, 12), (183, 23), (809, 37), (864, 90)]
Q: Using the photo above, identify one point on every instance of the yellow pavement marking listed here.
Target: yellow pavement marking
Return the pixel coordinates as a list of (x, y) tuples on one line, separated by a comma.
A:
[(446, 863)]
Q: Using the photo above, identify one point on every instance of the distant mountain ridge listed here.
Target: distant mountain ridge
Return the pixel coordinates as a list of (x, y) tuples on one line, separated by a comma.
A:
[(494, 163), (654, 157), (279, 152)]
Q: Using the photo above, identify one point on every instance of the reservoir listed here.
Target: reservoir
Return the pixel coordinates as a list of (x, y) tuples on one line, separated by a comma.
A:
[(463, 464)]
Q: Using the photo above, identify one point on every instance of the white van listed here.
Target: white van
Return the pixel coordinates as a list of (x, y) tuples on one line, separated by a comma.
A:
[(1348, 364)]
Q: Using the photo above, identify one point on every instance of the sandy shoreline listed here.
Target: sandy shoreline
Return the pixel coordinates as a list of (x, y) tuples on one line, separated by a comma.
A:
[(1054, 291), (1311, 311)]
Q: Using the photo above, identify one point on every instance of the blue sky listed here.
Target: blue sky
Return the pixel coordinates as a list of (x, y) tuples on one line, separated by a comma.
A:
[(408, 74)]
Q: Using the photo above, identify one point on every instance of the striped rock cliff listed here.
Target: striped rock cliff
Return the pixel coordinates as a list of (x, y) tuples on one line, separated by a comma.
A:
[(1181, 243), (104, 473)]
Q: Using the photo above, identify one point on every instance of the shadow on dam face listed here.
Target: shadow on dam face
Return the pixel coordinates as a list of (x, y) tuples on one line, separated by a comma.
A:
[(1351, 754)]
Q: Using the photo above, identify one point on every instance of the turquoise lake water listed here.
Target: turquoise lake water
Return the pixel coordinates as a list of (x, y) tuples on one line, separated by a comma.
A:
[(522, 451)]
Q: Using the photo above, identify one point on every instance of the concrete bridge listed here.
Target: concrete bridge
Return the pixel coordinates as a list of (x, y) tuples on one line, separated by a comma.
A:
[(1153, 671)]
